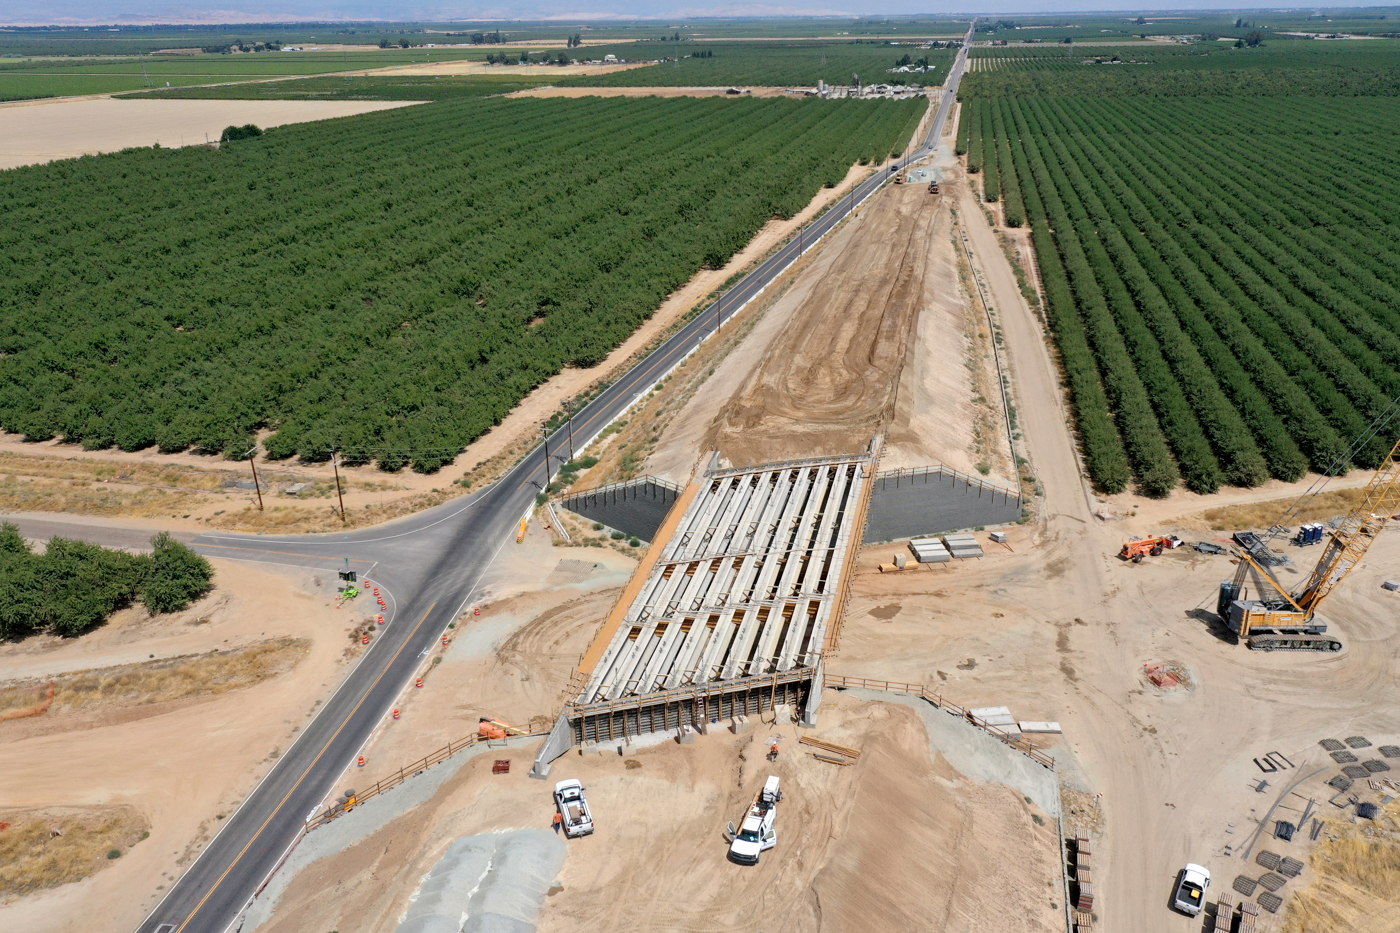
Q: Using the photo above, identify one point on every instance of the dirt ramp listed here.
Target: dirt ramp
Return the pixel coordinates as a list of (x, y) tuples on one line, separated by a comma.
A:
[(828, 383)]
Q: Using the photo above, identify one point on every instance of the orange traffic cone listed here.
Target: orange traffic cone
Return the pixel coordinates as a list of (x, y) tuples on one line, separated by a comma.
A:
[(444, 641), (476, 610), (362, 761), (420, 681), (364, 639), (396, 713), (366, 584)]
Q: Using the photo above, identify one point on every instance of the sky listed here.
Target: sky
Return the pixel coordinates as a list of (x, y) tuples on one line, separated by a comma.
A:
[(87, 12)]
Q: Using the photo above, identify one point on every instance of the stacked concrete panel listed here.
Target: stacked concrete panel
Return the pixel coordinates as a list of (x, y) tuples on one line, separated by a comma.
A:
[(929, 551), (962, 546)]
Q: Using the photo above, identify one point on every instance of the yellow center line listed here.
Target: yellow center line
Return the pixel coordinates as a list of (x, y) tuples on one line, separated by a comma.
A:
[(314, 761)]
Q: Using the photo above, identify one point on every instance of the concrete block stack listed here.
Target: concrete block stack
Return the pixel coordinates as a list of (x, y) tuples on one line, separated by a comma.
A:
[(962, 546), (999, 719), (929, 551)]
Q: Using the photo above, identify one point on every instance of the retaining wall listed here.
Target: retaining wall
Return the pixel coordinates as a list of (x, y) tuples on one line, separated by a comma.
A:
[(933, 500), (636, 507)]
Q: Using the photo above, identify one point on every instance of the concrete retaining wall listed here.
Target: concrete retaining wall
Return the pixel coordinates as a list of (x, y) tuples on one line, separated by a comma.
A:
[(636, 508), (912, 503)]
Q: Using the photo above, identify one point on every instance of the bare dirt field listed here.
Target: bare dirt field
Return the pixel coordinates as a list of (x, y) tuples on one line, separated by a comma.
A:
[(44, 130), (140, 736), (464, 67), (647, 92), (828, 383)]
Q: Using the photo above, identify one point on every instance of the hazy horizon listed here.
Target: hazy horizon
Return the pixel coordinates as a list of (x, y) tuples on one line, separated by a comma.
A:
[(213, 12)]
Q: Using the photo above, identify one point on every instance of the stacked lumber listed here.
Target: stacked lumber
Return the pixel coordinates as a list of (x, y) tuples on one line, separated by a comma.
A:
[(830, 752)]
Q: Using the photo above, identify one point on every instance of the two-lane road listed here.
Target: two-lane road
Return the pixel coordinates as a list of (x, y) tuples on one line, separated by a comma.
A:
[(429, 566)]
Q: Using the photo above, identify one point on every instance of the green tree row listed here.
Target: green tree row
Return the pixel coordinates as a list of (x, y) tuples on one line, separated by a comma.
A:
[(397, 280), (74, 586)]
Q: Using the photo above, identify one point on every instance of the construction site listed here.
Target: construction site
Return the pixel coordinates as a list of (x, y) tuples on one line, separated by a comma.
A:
[(867, 564)]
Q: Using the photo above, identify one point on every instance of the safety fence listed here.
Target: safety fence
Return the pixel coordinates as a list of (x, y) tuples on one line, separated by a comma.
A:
[(838, 682), (403, 774)]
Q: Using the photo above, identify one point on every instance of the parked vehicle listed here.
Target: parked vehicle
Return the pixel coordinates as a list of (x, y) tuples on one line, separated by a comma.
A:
[(573, 807), (1191, 885), (758, 833)]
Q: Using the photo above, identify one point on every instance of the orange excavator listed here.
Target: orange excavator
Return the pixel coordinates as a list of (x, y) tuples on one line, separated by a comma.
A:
[(489, 728), (1136, 550)]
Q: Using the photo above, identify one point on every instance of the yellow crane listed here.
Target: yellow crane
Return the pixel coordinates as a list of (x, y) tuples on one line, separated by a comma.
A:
[(1288, 620)]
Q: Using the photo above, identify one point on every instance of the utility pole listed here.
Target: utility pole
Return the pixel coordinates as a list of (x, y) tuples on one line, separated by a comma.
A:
[(544, 433), (253, 462), (335, 463), (569, 405)]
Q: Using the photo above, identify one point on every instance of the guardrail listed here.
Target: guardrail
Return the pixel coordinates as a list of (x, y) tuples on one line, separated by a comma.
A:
[(404, 773), (838, 682)]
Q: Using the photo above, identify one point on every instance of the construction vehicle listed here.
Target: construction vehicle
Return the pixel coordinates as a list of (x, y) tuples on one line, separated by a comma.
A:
[(1288, 620), (933, 187), (757, 833), (1137, 549), (495, 729), (1190, 894), (573, 807), (899, 179)]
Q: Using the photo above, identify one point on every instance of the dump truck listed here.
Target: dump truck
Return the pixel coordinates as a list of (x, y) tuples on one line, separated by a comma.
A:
[(573, 807), (757, 833), (1136, 550), (1190, 894)]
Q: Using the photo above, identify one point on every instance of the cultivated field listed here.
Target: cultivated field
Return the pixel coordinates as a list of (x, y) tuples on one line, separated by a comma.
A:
[(453, 281), (1217, 338)]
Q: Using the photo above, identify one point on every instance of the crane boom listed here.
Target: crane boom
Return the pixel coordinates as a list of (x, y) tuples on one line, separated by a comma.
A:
[(1357, 532)]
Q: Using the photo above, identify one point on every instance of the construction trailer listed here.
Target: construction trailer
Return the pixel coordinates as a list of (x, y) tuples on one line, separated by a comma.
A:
[(731, 610), (1284, 620)]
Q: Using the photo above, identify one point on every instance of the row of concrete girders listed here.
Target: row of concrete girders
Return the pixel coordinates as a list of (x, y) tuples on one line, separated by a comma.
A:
[(746, 583)]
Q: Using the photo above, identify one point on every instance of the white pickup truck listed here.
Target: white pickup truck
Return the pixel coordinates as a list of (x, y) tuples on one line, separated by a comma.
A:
[(1190, 894), (573, 807), (757, 833)]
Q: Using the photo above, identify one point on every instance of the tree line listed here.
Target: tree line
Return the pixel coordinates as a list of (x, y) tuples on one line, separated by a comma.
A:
[(74, 586)]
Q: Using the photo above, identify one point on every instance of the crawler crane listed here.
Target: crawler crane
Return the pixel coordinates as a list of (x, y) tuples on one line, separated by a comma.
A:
[(1288, 620)]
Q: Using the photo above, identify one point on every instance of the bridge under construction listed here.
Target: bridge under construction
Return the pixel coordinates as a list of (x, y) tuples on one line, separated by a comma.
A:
[(732, 609)]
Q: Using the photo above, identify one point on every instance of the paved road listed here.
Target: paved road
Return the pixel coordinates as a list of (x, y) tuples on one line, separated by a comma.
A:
[(429, 566)]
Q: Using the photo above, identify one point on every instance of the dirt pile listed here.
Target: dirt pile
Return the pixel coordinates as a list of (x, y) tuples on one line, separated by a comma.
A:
[(829, 381)]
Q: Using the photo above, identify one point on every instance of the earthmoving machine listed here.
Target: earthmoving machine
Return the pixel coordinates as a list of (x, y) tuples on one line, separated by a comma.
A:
[(933, 187), (1288, 620), (757, 833), (1136, 550), (495, 729), (899, 179)]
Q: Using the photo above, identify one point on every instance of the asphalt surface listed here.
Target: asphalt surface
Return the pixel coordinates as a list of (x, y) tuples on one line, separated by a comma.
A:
[(429, 567)]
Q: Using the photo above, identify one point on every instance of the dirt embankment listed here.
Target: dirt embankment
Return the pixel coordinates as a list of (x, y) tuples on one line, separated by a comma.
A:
[(828, 384), (897, 841)]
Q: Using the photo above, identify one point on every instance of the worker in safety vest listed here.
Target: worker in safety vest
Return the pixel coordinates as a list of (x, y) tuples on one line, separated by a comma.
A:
[(558, 821)]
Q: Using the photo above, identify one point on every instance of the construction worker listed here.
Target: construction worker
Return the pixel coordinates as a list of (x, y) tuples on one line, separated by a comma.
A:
[(773, 752), (558, 821)]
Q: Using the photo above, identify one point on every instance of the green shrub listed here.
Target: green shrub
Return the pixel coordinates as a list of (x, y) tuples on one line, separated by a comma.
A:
[(175, 577)]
